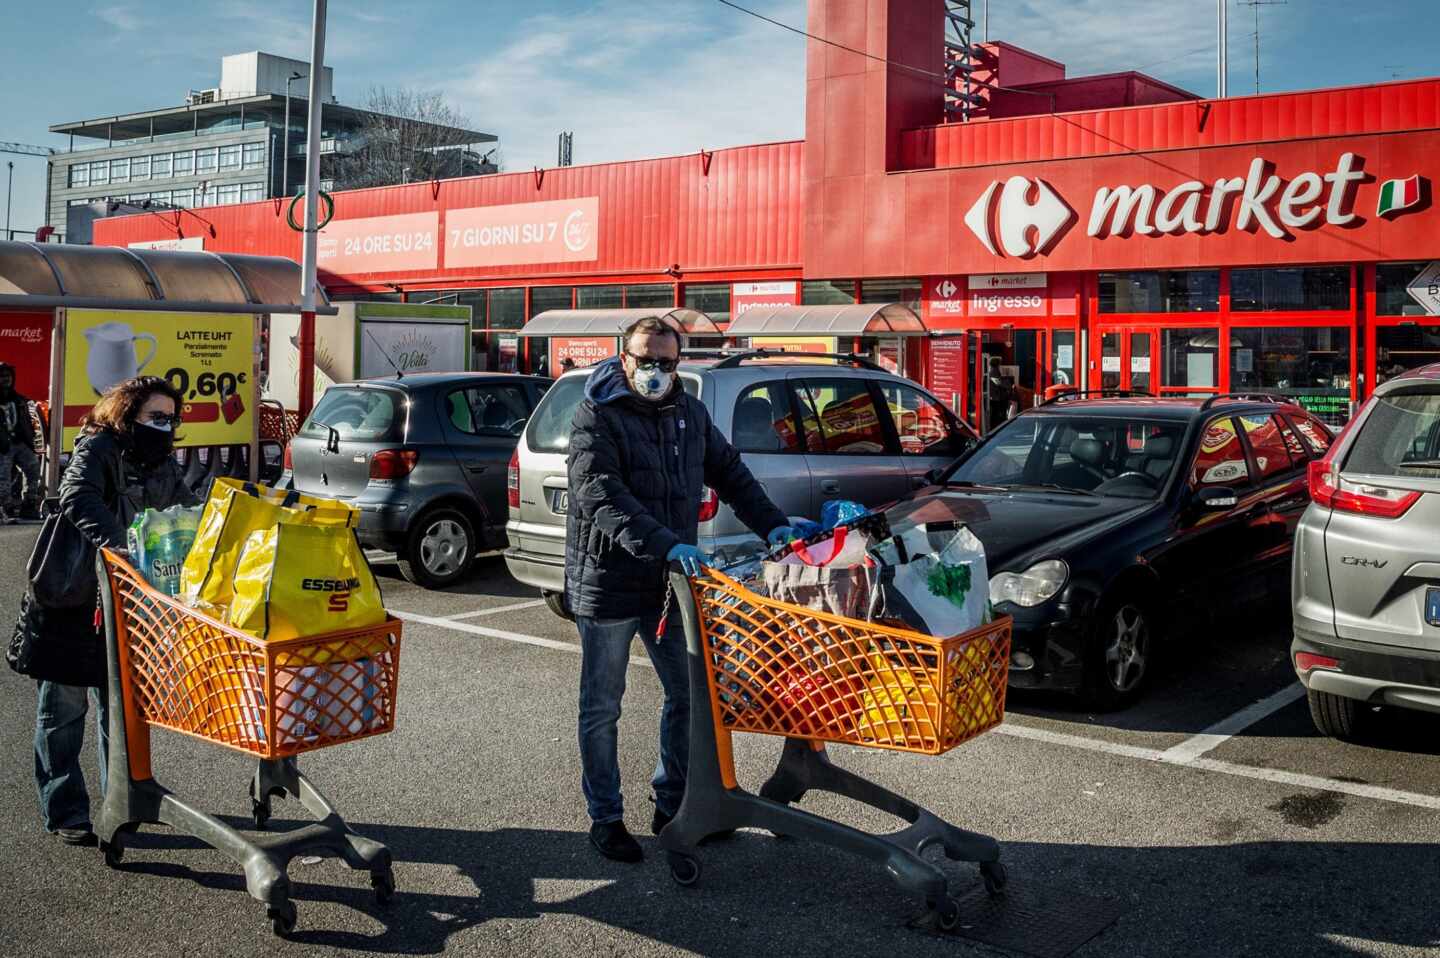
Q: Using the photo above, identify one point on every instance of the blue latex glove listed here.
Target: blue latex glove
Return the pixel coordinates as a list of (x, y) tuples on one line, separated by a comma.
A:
[(689, 557), (800, 529)]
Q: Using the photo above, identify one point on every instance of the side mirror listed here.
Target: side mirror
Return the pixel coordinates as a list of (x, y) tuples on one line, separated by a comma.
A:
[(1215, 498), (933, 476)]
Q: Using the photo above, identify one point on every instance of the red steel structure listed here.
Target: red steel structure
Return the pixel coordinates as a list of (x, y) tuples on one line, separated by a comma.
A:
[(1125, 233)]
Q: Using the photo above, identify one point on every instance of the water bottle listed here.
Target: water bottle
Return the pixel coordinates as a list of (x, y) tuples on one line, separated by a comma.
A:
[(174, 534), (155, 531)]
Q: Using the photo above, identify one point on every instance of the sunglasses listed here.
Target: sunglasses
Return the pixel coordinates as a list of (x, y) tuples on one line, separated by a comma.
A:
[(162, 420), (652, 362)]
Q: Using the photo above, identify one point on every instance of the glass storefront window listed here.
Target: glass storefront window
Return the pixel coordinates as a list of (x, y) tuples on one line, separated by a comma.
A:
[(1311, 364), (1161, 291), (1391, 299), (827, 292), (1398, 348), (1290, 288), (903, 291), (1191, 357), (541, 299), (650, 295), (598, 297), (1062, 357), (712, 299)]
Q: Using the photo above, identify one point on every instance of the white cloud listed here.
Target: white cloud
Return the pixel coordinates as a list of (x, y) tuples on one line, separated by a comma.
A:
[(121, 18), (635, 80)]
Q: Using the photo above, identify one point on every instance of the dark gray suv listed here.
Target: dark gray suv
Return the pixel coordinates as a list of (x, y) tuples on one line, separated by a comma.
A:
[(423, 457)]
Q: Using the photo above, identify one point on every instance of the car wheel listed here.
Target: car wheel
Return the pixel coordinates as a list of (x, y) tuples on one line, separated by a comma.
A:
[(557, 604), (438, 549), (1121, 653), (1335, 715)]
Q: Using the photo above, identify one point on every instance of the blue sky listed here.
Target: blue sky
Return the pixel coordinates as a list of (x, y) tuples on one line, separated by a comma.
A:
[(631, 78)]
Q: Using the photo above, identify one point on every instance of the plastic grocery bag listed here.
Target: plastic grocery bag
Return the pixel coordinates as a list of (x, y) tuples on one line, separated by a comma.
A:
[(901, 705), (939, 592), (232, 512), (839, 512), (293, 580), (159, 540)]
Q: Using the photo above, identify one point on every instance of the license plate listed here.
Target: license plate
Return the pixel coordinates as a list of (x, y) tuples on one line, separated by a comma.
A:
[(559, 501), (1432, 606)]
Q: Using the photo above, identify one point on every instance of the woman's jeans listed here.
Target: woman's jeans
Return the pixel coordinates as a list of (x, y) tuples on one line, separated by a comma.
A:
[(605, 654), (59, 737)]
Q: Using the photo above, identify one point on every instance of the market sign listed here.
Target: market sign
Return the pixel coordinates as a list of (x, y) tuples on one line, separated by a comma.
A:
[(1008, 294), (25, 344), (583, 350), (553, 231), (747, 296), (1425, 288), (206, 356), (379, 244)]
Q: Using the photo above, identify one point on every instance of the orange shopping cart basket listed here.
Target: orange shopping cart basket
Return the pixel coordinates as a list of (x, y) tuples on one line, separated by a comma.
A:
[(176, 668), (778, 669)]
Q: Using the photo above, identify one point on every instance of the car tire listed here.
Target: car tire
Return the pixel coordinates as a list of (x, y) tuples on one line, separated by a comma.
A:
[(438, 549), (1335, 715), (1120, 654), (558, 605)]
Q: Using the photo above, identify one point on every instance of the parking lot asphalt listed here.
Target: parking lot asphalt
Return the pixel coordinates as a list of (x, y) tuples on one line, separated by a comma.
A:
[(1211, 815)]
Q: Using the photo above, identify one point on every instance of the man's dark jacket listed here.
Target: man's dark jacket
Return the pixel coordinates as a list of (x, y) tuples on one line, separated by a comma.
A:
[(637, 469)]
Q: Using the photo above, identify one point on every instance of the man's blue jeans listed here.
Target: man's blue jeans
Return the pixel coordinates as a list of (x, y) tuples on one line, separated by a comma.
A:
[(59, 740), (605, 654)]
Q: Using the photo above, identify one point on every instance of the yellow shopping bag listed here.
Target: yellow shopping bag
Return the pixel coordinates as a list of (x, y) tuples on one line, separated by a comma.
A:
[(233, 511), (293, 580), (897, 710)]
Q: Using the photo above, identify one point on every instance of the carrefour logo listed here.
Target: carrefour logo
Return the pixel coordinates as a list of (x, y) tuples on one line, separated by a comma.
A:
[(1031, 217), (1024, 217)]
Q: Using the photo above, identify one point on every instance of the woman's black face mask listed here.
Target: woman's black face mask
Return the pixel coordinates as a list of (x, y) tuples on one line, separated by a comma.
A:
[(153, 443)]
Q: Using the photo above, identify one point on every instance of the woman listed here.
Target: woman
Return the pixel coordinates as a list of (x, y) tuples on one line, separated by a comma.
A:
[(122, 465)]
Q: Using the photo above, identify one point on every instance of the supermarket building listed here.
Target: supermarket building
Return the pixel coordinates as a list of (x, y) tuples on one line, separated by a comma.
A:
[(1106, 232)]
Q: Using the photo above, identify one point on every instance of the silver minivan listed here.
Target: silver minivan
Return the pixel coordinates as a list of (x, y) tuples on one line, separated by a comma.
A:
[(808, 430), (1366, 576)]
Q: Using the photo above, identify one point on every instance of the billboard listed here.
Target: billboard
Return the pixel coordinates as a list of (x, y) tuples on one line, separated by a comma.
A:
[(25, 344), (206, 356), (380, 244), (554, 231), (584, 350)]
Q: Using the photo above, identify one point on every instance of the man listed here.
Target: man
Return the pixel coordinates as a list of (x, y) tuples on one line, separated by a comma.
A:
[(17, 448), (999, 393), (641, 448)]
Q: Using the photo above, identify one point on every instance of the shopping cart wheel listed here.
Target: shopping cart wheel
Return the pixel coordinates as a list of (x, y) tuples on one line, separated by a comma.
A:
[(685, 869), (114, 852), (384, 885), (993, 874), (260, 811), (942, 916), (282, 918)]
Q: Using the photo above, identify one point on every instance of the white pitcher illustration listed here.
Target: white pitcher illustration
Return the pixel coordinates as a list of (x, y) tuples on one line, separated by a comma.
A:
[(112, 355)]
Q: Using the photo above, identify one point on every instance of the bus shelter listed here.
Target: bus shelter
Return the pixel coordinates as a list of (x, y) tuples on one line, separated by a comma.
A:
[(75, 320), (832, 329), (588, 336)]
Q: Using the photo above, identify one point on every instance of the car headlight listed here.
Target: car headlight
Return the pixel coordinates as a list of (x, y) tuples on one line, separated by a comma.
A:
[(1033, 586)]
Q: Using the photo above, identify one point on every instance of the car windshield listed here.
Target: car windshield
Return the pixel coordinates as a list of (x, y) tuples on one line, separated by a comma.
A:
[(1097, 455), (359, 413)]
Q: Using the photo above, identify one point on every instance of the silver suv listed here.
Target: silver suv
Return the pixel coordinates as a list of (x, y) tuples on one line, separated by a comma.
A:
[(1366, 578), (809, 431)]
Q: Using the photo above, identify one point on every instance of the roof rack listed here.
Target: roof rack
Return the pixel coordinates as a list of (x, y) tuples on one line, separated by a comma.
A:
[(1253, 396), (730, 362), (1082, 393)]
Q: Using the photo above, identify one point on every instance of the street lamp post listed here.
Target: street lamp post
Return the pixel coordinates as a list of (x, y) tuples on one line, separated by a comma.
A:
[(285, 160), (9, 182), (312, 212)]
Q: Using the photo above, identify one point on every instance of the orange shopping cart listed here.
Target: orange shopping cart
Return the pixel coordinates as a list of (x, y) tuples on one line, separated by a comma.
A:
[(779, 669), (175, 668)]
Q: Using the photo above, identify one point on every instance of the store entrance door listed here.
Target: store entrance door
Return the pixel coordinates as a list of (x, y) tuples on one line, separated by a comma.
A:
[(1029, 362), (1158, 360)]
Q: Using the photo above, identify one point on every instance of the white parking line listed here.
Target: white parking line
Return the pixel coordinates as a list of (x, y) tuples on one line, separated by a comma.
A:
[(513, 607), (1214, 736), (1178, 756)]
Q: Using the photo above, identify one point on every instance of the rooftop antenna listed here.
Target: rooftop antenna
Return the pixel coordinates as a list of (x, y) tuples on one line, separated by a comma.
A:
[(1222, 48), (960, 55), (1256, 5), (398, 374)]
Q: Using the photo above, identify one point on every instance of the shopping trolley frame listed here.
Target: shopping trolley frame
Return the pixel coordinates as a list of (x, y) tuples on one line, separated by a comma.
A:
[(133, 798), (714, 802)]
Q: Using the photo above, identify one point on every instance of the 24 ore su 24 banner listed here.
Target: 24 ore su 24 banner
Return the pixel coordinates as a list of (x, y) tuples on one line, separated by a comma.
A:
[(206, 356)]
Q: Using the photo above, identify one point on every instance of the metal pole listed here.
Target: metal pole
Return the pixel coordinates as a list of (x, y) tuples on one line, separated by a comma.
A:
[(312, 211), (1222, 64), (285, 160), (9, 183), (57, 404), (987, 21)]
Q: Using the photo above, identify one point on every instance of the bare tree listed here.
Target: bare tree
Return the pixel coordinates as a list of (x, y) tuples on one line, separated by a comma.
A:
[(407, 135)]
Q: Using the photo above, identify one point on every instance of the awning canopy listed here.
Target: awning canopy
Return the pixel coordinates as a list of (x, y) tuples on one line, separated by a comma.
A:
[(859, 319), (612, 322), (46, 275)]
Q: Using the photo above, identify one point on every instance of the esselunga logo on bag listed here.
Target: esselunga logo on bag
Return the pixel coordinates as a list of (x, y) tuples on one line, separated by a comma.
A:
[(339, 590)]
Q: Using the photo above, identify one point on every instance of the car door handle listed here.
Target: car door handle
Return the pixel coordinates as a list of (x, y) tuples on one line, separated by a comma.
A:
[(476, 469), (830, 486)]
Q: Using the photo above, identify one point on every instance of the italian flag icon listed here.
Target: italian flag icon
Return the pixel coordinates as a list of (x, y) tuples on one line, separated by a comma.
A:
[(1398, 195)]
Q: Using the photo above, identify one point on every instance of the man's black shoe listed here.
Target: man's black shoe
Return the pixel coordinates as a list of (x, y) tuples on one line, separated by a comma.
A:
[(82, 837), (614, 841), (659, 821)]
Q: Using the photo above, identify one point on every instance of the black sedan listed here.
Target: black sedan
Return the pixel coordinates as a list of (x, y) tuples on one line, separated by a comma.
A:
[(1108, 521)]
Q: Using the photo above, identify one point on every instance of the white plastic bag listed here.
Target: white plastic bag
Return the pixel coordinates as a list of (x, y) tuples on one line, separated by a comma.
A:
[(941, 593)]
